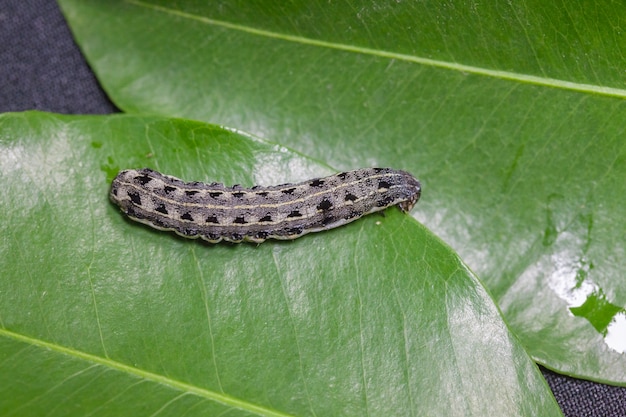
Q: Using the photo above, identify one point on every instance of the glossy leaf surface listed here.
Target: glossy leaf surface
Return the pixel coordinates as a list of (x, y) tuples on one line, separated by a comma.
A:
[(103, 316), (511, 115)]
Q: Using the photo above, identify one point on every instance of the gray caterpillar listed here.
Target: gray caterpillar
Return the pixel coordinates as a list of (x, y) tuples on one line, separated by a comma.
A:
[(215, 212)]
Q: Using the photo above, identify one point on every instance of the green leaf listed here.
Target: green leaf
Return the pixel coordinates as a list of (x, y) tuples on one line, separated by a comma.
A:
[(510, 114), (103, 316)]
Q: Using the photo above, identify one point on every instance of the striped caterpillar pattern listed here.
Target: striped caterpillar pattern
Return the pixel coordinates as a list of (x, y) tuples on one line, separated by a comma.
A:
[(215, 212)]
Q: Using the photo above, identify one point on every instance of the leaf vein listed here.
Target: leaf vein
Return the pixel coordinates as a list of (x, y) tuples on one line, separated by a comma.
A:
[(223, 399), (453, 66)]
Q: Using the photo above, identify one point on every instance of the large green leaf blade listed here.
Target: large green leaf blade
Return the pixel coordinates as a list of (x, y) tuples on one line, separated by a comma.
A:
[(523, 180), (376, 317)]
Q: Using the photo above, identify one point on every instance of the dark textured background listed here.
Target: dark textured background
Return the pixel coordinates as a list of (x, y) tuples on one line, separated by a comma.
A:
[(42, 68)]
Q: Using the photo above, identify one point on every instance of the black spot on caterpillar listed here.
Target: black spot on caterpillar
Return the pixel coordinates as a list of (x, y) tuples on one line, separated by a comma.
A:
[(215, 212)]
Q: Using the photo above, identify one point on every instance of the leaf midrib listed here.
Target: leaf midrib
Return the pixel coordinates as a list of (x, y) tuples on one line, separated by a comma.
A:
[(452, 66), (149, 376)]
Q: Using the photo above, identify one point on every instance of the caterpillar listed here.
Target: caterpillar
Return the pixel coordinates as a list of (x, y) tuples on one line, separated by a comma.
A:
[(215, 212)]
